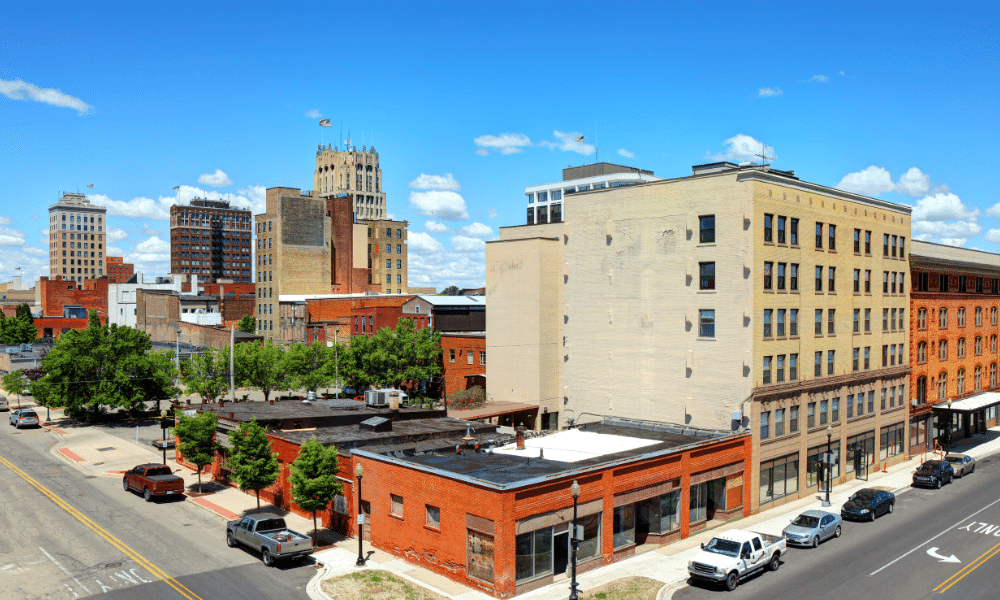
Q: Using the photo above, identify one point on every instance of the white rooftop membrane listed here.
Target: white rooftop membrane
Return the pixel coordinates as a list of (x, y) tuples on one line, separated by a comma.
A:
[(574, 445)]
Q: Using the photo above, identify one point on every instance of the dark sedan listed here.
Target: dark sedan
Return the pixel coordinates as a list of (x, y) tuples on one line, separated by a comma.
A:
[(934, 473), (866, 504)]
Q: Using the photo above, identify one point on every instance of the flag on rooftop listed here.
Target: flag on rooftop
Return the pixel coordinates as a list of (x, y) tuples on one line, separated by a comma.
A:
[(579, 139), (90, 185), (324, 122)]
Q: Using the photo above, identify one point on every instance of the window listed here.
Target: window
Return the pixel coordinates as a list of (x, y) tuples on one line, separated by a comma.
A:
[(765, 420), (829, 361), (861, 404), (979, 345), (767, 274), (819, 236), (781, 322), (479, 549), (433, 518), (778, 478), (993, 375), (885, 282), (885, 356), (779, 422), (960, 382), (706, 323), (961, 317), (793, 277), (818, 325), (831, 237), (794, 232), (871, 401), (766, 370), (943, 350), (922, 282), (868, 356), (396, 505), (388, 263), (533, 553), (706, 272), (793, 367), (922, 352), (857, 241), (885, 245), (977, 381), (451, 355), (834, 410), (831, 279), (857, 281), (993, 315), (819, 279), (961, 347), (624, 524), (793, 323), (482, 357), (816, 471), (892, 355), (793, 419), (781, 230), (850, 405), (868, 243), (902, 242), (857, 320), (830, 319), (468, 357), (868, 281), (993, 344), (892, 288), (767, 322), (818, 364), (979, 316), (922, 318), (868, 320), (781, 276), (885, 320), (706, 229), (856, 359), (943, 318), (768, 225), (779, 369), (942, 387), (811, 415), (943, 282), (961, 284)]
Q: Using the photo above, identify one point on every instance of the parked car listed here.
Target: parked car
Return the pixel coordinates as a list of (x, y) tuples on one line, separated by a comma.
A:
[(961, 463), (268, 534), (24, 417), (152, 480), (868, 503), (3, 403), (812, 527), (934, 473), (731, 556)]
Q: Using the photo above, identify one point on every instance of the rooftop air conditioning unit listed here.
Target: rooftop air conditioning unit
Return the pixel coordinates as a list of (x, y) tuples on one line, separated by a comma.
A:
[(376, 398)]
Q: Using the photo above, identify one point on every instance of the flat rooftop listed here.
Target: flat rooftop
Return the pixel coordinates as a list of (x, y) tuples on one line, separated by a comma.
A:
[(289, 411), (431, 434)]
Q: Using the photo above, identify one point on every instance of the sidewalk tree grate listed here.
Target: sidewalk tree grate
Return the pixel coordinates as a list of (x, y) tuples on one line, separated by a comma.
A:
[(106, 449)]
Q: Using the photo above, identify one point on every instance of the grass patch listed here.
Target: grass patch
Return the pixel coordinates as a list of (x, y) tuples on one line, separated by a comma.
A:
[(627, 588), (376, 585)]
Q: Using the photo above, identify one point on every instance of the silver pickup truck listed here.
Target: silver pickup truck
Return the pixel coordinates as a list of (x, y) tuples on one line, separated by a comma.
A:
[(268, 534)]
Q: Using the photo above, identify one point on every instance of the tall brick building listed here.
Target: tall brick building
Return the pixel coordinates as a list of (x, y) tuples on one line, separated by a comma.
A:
[(212, 239), (76, 238), (354, 173), (119, 271), (954, 355)]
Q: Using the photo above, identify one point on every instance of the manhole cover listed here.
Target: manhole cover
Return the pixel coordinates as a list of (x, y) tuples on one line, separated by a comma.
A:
[(112, 565), (100, 463), (105, 449), (91, 477)]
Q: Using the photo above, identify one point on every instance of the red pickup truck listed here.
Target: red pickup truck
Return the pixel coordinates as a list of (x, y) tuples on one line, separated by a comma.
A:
[(153, 480)]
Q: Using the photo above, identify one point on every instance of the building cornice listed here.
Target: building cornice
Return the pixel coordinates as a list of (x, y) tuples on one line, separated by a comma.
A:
[(805, 186), (824, 384)]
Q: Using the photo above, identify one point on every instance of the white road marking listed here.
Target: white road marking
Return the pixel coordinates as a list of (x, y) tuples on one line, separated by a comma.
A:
[(104, 588), (950, 559), (70, 588), (64, 570), (933, 538)]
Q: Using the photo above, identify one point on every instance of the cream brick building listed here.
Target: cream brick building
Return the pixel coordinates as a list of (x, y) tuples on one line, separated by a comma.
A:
[(351, 172), (387, 255), (674, 301), (77, 248)]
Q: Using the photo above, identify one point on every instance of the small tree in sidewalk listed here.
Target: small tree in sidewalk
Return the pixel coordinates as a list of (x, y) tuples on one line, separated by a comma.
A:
[(254, 465), (197, 435), (314, 478), (15, 382)]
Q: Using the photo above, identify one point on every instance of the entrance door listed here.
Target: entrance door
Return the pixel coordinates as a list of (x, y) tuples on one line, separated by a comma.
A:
[(861, 465), (560, 552), (366, 510)]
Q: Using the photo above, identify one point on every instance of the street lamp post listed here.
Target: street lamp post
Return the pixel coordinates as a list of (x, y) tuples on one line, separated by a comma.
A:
[(163, 427), (829, 463), (177, 359), (358, 472), (574, 490), (947, 439)]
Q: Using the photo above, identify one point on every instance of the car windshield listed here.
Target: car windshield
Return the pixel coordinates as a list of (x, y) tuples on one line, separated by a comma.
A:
[(864, 496), (806, 521), (724, 547), (955, 459), (158, 471), (931, 465)]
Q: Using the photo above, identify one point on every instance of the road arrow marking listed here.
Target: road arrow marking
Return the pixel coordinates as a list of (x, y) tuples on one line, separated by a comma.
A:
[(944, 559)]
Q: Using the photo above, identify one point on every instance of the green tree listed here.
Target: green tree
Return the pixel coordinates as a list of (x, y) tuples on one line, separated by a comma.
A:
[(451, 290), (254, 465), (15, 382), (390, 357), (197, 435), (314, 478), (19, 329), (103, 366), (247, 324), (261, 366), (207, 373), (309, 367)]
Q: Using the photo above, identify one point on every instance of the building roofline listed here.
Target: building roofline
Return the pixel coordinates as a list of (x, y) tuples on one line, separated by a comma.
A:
[(546, 239)]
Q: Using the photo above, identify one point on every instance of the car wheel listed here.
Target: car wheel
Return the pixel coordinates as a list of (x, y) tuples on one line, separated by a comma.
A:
[(973, 469), (146, 495), (230, 540), (837, 532), (732, 580), (265, 555), (815, 541), (872, 517), (125, 484), (891, 505), (937, 484), (775, 562)]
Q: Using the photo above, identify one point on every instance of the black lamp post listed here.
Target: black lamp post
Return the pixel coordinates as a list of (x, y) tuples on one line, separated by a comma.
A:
[(951, 420), (359, 471), (829, 463), (163, 428), (574, 490)]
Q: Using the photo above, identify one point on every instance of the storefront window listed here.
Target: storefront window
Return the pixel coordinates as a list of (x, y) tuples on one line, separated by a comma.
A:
[(480, 554), (590, 545), (698, 509), (624, 526), (533, 554), (814, 473), (865, 445), (779, 478)]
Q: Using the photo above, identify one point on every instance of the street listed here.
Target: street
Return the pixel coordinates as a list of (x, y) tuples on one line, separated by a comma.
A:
[(68, 535), (906, 554)]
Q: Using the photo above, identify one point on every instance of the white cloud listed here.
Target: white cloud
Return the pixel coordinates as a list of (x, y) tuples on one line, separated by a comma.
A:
[(440, 204), (943, 207), (35, 217), (435, 227), (116, 233), (462, 243), (252, 197), (870, 182), (742, 148), (840, 73), (421, 244), (11, 237), (625, 153), (314, 114), (115, 251), (818, 79), (32, 261), (217, 179), (151, 250), (570, 142), (914, 183), (477, 230), (505, 143), (35, 251), (766, 92), (435, 182), (17, 89), (956, 233), (492, 213), (6, 221)]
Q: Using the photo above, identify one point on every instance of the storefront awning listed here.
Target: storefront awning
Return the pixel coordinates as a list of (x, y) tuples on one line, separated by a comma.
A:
[(970, 404)]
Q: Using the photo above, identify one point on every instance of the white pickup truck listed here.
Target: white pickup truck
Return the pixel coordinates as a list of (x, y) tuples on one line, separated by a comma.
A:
[(731, 556)]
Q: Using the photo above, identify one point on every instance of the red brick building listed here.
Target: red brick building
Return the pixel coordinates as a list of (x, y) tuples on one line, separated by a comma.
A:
[(210, 238), (54, 327), (954, 325), (463, 355), (91, 294), (118, 270)]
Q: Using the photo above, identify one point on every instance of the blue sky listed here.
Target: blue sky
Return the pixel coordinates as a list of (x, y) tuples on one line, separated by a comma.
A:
[(468, 103)]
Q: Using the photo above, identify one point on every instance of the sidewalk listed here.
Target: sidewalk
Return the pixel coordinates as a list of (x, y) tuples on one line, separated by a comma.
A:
[(667, 564)]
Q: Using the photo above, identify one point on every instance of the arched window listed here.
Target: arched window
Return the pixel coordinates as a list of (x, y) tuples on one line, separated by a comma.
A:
[(961, 347), (993, 375), (942, 386), (922, 352), (961, 317), (993, 344), (979, 345), (922, 390), (960, 383), (979, 316), (943, 318), (943, 350), (922, 318), (977, 379), (993, 316)]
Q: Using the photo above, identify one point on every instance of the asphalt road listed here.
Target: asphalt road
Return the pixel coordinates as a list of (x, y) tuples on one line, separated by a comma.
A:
[(894, 556), (67, 536)]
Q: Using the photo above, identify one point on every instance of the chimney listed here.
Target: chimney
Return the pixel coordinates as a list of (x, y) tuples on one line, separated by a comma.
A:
[(520, 436), (394, 400)]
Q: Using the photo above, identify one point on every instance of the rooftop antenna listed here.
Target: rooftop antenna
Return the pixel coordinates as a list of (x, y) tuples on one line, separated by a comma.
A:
[(763, 154)]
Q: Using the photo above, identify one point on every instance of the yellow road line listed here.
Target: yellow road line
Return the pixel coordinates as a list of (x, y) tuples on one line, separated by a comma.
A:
[(135, 556), (985, 556)]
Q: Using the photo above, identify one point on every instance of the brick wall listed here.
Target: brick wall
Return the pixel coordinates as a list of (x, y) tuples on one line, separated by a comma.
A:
[(234, 308), (91, 294), (454, 373), (55, 326)]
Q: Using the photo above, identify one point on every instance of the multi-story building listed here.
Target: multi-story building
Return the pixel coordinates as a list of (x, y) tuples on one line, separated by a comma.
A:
[(122, 307), (387, 255), (954, 301), (76, 239), (119, 271), (354, 173), (210, 238), (739, 296), (545, 202)]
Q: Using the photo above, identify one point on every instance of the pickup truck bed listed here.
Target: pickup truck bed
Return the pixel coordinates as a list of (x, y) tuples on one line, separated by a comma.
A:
[(268, 534)]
